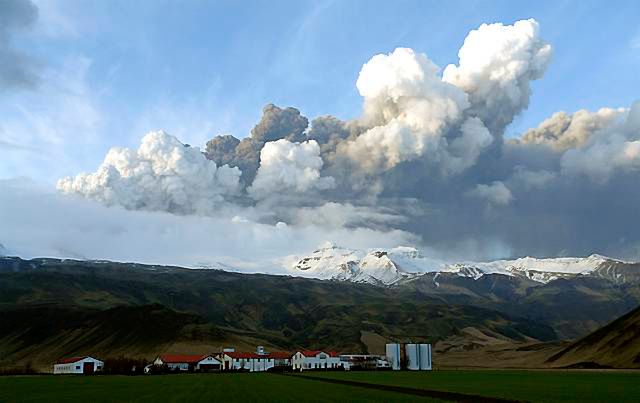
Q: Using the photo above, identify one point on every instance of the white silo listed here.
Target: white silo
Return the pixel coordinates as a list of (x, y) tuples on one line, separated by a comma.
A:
[(413, 354), (424, 352), (393, 353)]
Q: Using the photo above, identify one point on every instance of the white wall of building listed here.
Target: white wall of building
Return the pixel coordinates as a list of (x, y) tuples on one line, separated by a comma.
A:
[(321, 360), (78, 366)]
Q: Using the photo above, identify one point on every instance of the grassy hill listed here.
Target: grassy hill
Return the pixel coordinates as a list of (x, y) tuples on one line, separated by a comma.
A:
[(55, 308), (614, 345)]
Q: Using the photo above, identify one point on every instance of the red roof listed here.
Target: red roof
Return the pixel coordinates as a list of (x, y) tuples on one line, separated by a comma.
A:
[(310, 353), (182, 358), (313, 353), (280, 355), (70, 360), (239, 355)]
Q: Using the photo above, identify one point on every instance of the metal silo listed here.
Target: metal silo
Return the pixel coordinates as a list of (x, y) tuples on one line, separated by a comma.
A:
[(413, 354), (393, 353), (424, 353)]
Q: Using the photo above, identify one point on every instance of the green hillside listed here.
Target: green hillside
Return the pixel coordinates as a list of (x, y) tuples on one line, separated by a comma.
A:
[(58, 308)]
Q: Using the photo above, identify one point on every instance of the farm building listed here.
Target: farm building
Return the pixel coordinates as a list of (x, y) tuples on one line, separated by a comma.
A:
[(281, 358), (364, 362), (183, 362), (239, 361), (78, 365), (312, 359), (411, 356)]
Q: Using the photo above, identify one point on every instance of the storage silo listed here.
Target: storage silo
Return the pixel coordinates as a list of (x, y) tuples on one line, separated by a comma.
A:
[(393, 353), (424, 351), (413, 354)]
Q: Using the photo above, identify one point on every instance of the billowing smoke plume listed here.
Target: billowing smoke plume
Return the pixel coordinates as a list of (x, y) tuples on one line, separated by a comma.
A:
[(414, 114), (563, 131), (276, 124), (426, 157), (495, 193), (497, 62), (288, 167), (163, 174), (610, 149)]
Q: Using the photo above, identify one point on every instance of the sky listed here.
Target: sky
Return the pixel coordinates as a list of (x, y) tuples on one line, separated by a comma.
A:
[(201, 68), (85, 76)]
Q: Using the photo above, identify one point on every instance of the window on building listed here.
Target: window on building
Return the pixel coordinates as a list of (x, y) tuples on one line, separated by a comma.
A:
[(77, 366)]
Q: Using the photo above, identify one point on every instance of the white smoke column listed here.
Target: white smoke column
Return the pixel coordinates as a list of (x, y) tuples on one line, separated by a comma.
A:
[(614, 148), (497, 63), (563, 131), (495, 193), (163, 174), (409, 106), (289, 167)]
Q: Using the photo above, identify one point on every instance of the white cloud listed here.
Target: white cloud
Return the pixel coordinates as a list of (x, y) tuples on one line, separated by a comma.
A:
[(409, 107), (495, 193), (497, 62), (163, 174), (36, 222), (615, 148), (289, 167)]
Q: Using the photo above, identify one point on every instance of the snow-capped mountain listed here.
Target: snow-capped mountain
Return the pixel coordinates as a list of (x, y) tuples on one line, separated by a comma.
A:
[(404, 264)]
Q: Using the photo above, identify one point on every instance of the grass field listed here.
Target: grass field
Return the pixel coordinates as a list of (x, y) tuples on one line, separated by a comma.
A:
[(533, 386), (186, 388)]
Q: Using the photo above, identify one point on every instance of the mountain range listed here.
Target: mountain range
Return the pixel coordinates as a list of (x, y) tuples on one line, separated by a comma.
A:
[(351, 301), (406, 264)]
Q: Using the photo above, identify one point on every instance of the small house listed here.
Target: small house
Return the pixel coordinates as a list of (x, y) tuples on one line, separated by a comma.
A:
[(78, 365), (188, 362), (313, 359), (240, 361)]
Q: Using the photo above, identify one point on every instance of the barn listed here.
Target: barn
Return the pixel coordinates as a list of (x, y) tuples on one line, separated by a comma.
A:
[(188, 362), (78, 365), (314, 359)]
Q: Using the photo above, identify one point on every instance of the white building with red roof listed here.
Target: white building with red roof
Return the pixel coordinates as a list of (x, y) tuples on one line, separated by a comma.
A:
[(315, 359), (188, 362), (78, 365), (253, 362)]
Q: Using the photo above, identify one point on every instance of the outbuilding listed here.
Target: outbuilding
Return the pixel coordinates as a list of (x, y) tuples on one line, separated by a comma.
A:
[(78, 365), (188, 362), (239, 361), (314, 359)]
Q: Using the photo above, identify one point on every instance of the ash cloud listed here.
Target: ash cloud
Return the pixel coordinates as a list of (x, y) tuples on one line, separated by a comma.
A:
[(162, 175), (427, 158)]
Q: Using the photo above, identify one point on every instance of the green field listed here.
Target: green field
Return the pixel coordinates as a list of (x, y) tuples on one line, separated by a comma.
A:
[(185, 388), (533, 386)]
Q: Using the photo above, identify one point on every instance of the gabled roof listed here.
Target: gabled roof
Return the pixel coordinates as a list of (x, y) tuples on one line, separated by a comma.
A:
[(280, 355), (71, 360), (239, 355), (313, 353), (182, 358)]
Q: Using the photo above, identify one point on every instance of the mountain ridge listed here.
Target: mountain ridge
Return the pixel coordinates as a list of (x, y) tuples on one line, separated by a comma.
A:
[(403, 264)]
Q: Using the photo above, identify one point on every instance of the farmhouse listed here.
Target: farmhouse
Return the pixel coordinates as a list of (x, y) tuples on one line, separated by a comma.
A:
[(184, 362), (239, 361), (78, 365), (312, 359), (281, 358)]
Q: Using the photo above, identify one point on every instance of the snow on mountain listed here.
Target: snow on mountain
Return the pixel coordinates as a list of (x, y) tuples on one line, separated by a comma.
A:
[(373, 266), (388, 267)]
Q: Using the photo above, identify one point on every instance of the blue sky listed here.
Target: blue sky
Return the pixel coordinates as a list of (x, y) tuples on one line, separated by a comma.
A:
[(112, 70)]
